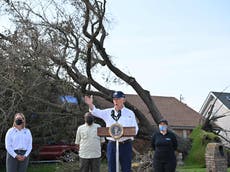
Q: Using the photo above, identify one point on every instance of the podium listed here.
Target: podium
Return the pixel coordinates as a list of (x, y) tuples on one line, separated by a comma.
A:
[(127, 132), (116, 131)]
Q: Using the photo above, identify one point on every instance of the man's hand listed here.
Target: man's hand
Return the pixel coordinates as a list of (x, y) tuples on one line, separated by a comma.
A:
[(89, 101), (20, 157)]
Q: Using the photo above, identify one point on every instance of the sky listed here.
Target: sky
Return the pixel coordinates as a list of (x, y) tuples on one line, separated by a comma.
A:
[(173, 48)]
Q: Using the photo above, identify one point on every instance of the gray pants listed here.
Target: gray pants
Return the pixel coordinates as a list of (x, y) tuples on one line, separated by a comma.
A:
[(13, 165), (90, 165)]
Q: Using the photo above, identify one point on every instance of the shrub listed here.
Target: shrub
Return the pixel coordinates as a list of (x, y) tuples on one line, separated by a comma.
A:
[(200, 139)]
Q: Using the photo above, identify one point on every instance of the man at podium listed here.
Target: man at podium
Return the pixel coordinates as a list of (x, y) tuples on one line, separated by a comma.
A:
[(125, 117)]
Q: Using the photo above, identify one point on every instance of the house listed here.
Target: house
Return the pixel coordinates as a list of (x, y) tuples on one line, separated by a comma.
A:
[(182, 119), (221, 107)]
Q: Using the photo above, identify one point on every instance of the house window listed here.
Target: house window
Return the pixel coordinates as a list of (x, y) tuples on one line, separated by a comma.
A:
[(228, 98), (185, 134)]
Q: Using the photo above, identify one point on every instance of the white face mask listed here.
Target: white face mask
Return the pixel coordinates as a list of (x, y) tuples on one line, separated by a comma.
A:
[(162, 127)]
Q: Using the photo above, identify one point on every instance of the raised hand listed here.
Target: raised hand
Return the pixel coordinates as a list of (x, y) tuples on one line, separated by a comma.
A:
[(89, 101)]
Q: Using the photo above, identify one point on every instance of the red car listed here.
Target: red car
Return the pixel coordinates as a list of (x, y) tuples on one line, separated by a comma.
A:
[(65, 152)]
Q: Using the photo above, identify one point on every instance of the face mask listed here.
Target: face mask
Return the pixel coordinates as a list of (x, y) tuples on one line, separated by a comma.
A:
[(18, 121), (162, 127)]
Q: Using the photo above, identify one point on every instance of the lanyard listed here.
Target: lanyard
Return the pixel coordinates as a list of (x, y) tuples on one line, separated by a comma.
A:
[(116, 117)]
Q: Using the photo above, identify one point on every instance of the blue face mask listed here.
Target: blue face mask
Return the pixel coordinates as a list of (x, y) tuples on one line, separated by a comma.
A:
[(162, 127)]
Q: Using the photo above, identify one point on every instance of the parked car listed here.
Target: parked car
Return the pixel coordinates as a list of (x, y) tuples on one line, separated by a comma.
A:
[(65, 152)]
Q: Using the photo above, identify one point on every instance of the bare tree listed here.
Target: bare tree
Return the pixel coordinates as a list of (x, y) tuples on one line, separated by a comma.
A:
[(70, 35), (28, 84)]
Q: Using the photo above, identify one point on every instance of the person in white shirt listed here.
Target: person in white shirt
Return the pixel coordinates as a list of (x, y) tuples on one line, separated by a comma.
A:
[(18, 143), (89, 145), (124, 116)]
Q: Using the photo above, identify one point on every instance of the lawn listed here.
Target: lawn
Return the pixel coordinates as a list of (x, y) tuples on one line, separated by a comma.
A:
[(38, 168), (193, 169), (56, 167), (73, 167)]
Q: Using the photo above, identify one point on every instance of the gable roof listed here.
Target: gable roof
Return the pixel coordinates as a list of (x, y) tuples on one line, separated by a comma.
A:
[(223, 97), (178, 114)]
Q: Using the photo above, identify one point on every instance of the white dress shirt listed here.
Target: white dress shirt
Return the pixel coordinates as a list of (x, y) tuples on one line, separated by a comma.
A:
[(18, 140), (127, 119)]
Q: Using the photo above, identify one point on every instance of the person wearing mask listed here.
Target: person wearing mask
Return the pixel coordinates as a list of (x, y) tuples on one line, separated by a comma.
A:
[(18, 143), (89, 145), (164, 143), (125, 117)]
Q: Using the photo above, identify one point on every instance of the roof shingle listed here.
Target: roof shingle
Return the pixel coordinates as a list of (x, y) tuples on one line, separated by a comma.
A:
[(177, 113)]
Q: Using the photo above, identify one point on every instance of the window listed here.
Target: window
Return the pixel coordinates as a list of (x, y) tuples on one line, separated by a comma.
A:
[(228, 98), (185, 134)]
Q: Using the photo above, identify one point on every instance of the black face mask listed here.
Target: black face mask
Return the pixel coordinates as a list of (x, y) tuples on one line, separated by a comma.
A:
[(18, 121), (89, 120)]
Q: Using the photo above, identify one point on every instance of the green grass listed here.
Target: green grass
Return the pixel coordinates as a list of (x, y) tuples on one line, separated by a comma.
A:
[(73, 167), (38, 168), (193, 169), (57, 167)]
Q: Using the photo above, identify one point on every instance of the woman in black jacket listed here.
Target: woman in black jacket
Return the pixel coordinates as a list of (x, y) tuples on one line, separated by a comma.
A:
[(165, 144)]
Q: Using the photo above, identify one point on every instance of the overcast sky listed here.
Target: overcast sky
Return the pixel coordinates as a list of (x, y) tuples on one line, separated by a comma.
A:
[(172, 47)]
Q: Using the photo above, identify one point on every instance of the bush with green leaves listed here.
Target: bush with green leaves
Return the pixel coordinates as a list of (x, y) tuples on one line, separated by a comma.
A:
[(200, 139)]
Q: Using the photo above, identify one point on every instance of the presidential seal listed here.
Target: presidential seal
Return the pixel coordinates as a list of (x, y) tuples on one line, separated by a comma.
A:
[(116, 130)]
